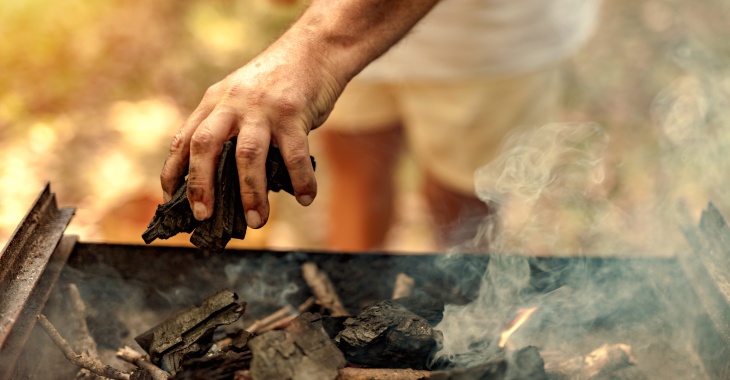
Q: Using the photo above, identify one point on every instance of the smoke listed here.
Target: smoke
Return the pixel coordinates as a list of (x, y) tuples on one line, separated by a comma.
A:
[(547, 184), (561, 193)]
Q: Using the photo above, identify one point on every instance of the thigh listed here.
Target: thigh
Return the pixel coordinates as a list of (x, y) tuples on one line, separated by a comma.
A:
[(364, 107), (456, 127)]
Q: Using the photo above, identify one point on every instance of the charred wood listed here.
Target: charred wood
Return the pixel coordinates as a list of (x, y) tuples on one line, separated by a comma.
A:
[(214, 233), (172, 217), (387, 335), (217, 367), (302, 351), (188, 334)]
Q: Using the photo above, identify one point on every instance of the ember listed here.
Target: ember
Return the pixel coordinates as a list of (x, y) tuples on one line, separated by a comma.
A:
[(524, 315)]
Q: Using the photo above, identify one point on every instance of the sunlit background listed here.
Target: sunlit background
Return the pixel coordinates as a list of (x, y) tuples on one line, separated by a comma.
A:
[(92, 92)]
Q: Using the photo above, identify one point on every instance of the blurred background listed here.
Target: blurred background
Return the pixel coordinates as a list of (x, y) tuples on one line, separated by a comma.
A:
[(91, 93)]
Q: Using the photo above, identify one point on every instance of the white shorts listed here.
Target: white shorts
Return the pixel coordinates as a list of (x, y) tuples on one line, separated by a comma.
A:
[(452, 127)]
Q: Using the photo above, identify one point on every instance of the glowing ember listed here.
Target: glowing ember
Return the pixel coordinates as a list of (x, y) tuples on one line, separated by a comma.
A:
[(524, 315)]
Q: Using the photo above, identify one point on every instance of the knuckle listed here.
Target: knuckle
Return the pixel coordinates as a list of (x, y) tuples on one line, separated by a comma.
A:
[(201, 140), (177, 143), (248, 149), (297, 159), (212, 91), (289, 107), (196, 189)]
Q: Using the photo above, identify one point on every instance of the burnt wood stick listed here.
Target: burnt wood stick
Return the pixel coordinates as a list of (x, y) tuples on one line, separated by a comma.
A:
[(82, 341), (600, 363), (131, 356), (286, 320), (275, 316), (403, 286), (352, 373), (323, 289), (82, 361)]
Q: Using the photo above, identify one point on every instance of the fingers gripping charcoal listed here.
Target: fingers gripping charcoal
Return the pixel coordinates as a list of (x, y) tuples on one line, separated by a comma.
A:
[(228, 220)]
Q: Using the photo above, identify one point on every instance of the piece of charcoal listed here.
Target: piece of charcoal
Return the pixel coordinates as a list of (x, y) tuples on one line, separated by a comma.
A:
[(387, 335), (171, 218), (333, 325), (523, 364), (222, 366), (239, 341), (214, 233), (277, 175), (301, 351), (189, 333), (423, 305), (228, 220)]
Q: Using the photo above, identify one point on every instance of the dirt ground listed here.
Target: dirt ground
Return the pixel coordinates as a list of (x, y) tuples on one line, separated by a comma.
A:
[(89, 102)]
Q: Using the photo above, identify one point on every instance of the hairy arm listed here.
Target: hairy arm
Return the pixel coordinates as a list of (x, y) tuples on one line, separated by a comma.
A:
[(281, 95)]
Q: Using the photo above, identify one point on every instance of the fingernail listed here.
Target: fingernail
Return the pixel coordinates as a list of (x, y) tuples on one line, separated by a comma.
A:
[(253, 219), (304, 199), (200, 211)]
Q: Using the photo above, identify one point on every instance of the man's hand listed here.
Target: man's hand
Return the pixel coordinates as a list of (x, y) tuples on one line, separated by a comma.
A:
[(275, 99), (279, 97)]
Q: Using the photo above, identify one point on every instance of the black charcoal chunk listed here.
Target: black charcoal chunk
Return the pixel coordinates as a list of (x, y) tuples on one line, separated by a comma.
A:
[(228, 220), (387, 335), (171, 218)]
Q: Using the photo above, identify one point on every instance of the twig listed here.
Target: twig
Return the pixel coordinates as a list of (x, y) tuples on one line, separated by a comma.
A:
[(82, 361), (323, 289), (351, 373), (82, 340), (283, 322), (599, 363), (284, 311), (136, 358), (403, 286)]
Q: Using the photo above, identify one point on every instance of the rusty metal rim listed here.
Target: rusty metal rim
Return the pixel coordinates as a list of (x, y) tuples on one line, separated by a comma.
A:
[(25, 258)]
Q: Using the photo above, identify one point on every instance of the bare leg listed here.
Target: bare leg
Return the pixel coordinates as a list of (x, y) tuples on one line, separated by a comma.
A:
[(361, 208), (459, 219)]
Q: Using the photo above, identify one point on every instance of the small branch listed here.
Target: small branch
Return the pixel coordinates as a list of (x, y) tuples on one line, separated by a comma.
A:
[(283, 322), (323, 289), (284, 311), (601, 362), (131, 356), (351, 373), (82, 361), (403, 286)]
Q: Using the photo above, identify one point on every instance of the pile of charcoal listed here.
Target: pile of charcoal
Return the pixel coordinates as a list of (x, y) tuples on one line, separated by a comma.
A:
[(388, 339)]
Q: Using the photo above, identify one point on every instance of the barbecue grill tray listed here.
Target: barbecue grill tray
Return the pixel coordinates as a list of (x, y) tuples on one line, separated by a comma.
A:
[(119, 282)]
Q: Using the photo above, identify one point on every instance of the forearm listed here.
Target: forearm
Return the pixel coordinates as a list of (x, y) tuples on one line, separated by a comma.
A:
[(349, 34)]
